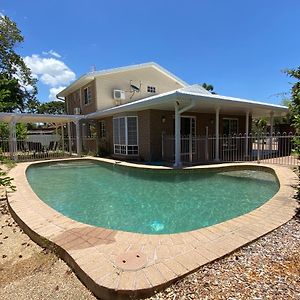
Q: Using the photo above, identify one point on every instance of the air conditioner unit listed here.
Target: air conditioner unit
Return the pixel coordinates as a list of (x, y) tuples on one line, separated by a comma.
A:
[(119, 95), (77, 111)]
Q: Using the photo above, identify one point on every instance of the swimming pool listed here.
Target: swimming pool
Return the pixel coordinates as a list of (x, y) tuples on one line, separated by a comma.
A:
[(149, 201)]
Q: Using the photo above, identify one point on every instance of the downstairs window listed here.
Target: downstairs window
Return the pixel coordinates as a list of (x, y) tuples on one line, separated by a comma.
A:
[(125, 136)]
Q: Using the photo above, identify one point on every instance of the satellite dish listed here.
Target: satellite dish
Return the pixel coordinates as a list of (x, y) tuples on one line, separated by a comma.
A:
[(135, 88)]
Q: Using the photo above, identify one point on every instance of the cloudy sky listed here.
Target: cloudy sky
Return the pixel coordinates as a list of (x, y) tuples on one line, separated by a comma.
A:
[(241, 47)]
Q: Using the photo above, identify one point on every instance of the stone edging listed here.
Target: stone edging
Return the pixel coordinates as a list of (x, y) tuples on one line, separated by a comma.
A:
[(152, 262)]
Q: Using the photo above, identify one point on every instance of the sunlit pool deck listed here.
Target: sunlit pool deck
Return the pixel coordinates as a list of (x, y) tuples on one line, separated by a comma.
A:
[(115, 264)]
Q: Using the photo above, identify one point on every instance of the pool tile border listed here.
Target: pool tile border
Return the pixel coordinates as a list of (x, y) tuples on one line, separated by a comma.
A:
[(92, 252)]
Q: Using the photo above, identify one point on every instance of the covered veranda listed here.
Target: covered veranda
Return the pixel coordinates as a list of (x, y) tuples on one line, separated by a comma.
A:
[(40, 145), (192, 99)]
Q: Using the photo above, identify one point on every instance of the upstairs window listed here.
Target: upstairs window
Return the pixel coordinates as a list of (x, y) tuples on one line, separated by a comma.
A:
[(87, 95), (151, 89)]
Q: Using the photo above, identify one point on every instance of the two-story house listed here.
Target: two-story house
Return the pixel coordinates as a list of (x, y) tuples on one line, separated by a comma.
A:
[(143, 111)]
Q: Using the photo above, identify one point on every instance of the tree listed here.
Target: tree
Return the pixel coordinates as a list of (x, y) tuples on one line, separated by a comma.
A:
[(295, 105), (17, 86), (21, 131), (259, 126), (52, 107), (208, 87)]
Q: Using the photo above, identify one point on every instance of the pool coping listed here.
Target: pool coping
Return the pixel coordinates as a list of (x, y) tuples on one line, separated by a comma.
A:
[(95, 253)]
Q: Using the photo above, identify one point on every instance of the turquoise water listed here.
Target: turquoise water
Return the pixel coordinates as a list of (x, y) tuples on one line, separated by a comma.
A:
[(149, 201)]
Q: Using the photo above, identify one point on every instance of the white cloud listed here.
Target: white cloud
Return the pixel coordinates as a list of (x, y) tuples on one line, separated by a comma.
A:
[(52, 52), (54, 91), (50, 71)]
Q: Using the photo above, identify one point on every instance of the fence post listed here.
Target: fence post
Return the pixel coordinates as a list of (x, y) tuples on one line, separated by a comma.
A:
[(190, 148), (162, 145), (62, 139), (78, 138), (13, 140), (69, 137), (258, 154), (206, 144)]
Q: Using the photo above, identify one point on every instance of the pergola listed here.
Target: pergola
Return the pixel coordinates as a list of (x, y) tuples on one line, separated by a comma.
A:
[(13, 118)]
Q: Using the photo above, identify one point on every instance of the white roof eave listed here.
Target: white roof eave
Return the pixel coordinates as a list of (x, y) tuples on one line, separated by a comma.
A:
[(254, 107)]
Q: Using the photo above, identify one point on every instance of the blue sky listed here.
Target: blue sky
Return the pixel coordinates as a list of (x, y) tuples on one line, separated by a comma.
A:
[(241, 47)]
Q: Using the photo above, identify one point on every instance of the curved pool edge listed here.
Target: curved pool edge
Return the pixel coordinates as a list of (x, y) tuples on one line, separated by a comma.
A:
[(94, 253)]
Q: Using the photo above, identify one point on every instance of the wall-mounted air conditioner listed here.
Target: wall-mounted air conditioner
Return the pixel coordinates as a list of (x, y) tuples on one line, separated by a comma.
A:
[(119, 95), (77, 111)]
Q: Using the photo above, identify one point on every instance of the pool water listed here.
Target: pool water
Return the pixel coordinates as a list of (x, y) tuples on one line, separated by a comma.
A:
[(149, 201)]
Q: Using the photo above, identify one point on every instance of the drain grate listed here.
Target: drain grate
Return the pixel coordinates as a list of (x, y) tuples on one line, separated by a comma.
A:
[(131, 261)]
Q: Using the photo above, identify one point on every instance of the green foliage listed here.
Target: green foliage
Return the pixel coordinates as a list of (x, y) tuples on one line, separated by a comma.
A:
[(17, 86), (21, 131), (259, 126), (103, 152), (6, 180), (52, 107), (295, 105)]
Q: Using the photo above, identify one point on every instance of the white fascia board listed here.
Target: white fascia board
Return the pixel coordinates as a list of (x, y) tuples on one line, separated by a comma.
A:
[(169, 74), (236, 100), (82, 80), (136, 67)]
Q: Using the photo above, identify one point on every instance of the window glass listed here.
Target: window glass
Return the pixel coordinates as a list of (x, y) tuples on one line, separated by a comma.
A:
[(87, 95), (230, 126), (125, 135), (102, 129), (151, 89)]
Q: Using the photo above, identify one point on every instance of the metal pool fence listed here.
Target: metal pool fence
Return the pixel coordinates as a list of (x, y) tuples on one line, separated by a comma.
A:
[(275, 148), (44, 148)]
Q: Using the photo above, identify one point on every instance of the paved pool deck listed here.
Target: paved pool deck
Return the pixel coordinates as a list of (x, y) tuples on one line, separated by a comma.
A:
[(123, 265)]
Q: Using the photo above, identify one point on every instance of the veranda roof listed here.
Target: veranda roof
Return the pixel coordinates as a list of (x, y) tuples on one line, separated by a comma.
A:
[(203, 103)]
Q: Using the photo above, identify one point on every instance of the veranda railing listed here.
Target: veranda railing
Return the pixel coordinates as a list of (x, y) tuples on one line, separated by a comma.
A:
[(275, 148)]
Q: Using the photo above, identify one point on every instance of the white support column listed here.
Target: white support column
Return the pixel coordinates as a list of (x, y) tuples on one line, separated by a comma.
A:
[(217, 158), (178, 112), (69, 138), (78, 138), (177, 136), (271, 130), (62, 138), (247, 134), (13, 140)]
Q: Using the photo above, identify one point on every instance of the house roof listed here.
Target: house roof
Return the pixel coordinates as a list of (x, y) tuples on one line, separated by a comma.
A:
[(86, 78), (203, 103)]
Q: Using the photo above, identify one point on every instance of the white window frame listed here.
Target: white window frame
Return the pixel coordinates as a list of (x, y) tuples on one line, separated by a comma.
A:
[(118, 147), (231, 119), (89, 95), (102, 129)]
